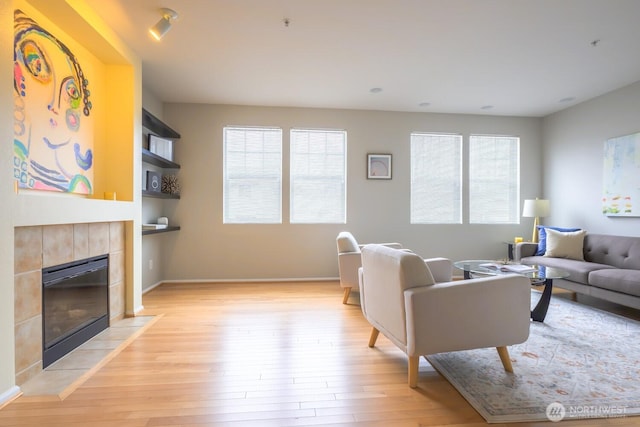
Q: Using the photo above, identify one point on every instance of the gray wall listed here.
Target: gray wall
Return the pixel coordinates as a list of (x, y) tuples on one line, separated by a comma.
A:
[(573, 160), (205, 248)]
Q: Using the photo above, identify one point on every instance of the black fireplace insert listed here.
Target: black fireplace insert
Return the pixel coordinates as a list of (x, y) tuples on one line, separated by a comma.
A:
[(75, 305)]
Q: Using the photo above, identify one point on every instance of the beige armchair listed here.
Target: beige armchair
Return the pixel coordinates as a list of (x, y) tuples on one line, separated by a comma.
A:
[(400, 298), (350, 260)]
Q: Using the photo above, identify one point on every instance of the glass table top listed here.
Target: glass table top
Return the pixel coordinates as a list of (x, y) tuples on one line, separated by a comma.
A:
[(538, 272)]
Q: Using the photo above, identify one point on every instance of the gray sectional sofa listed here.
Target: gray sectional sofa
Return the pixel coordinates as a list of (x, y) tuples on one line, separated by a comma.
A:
[(610, 270)]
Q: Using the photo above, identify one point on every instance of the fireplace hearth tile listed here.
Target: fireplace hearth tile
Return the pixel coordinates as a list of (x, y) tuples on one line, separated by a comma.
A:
[(80, 241), (27, 295), (28, 242), (80, 359), (116, 236), (98, 238), (57, 244), (65, 375)]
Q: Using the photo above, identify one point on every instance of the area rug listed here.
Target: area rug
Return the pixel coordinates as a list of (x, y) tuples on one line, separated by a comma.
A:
[(580, 363)]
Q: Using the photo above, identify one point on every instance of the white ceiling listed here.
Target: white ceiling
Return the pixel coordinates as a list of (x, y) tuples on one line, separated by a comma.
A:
[(522, 57)]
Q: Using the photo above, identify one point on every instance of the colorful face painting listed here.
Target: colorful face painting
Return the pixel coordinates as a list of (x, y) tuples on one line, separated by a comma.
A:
[(53, 134)]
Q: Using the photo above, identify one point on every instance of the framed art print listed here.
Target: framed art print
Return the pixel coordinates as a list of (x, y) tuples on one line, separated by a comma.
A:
[(621, 192), (154, 181), (379, 166)]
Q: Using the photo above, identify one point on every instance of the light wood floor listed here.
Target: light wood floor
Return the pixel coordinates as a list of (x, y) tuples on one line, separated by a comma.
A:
[(285, 354)]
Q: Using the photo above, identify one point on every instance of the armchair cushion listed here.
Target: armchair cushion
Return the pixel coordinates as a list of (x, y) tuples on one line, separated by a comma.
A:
[(441, 269), (347, 243)]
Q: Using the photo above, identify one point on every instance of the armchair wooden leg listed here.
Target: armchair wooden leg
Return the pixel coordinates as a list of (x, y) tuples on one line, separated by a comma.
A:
[(345, 297), (504, 357), (414, 362), (374, 337)]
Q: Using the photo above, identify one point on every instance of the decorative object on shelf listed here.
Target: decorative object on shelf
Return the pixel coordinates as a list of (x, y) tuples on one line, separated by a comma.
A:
[(535, 209), (161, 146), (163, 220), (379, 166), (621, 176), (170, 184), (154, 181)]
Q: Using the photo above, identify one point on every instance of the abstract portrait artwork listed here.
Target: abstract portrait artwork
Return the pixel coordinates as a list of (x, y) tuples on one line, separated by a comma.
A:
[(53, 131), (621, 190)]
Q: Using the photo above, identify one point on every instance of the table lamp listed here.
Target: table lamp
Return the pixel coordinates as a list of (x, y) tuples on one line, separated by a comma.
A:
[(535, 209)]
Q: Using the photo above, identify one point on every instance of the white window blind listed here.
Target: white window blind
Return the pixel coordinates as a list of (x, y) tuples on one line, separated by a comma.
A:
[(494, 179), (252, 175), (436, 179), (318, 176)]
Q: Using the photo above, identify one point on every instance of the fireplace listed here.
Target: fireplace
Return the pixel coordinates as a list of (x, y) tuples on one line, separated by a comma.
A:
[(75, 305)]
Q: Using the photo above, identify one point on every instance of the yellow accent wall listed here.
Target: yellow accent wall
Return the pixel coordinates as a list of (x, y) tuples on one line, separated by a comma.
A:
[(116, 92)]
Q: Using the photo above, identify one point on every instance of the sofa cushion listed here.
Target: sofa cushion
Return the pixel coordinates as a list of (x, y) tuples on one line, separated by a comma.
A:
[(618, 279), (565, 244), (619, 251), (578, 270), (542, 236)]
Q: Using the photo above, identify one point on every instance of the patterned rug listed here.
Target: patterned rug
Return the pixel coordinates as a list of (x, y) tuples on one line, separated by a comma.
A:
[(580, 363)]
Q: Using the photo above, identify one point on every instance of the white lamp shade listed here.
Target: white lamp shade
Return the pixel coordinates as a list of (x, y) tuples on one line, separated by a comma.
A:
[(535, 208)]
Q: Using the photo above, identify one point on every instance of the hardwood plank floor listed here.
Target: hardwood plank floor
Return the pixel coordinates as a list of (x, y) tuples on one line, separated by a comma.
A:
[(257, 354)]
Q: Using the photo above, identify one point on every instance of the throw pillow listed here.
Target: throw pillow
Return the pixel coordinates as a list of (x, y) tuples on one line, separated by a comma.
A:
[(565, 244), (542, 237)]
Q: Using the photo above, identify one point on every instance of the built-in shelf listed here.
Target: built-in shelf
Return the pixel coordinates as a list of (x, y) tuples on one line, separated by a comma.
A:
[(157, 126), (158, 195), (154, 159), (162, 230)]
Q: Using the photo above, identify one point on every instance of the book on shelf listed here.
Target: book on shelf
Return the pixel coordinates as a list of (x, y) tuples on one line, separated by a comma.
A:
[(513, 268), (153, 226)]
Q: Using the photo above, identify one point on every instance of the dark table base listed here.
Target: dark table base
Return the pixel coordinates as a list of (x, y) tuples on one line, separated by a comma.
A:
[(540, 310)]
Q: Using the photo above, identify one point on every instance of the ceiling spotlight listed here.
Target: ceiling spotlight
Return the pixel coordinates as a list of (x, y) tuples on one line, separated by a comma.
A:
[(163, 26)]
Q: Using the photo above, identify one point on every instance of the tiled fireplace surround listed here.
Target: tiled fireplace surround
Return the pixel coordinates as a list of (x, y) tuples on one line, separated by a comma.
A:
[(37, 247)]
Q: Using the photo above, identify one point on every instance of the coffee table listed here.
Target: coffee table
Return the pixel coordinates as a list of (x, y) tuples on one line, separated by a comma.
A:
[(541, 275)]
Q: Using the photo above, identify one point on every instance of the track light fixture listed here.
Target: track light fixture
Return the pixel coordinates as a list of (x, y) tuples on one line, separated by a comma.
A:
[(163, 26)]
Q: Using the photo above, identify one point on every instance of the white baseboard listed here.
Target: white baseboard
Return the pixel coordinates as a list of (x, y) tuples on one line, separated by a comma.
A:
[(135, 311), (9, 395), (289, 279), (155, 285)]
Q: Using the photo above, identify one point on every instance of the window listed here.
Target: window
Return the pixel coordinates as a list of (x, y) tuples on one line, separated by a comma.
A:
[(436, 179), (318, 177), (252, 175), (494, 179)]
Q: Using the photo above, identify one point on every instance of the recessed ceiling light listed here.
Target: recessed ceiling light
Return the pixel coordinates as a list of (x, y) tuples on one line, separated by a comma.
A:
[(568, 99), (424, 104), (486, 107), (375, 90)]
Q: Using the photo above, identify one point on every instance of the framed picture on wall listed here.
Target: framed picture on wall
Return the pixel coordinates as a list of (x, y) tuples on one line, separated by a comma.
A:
[(379, 166), (621, 192)]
